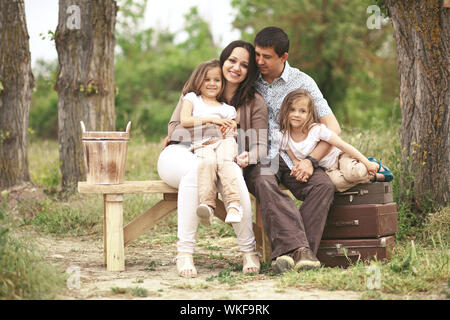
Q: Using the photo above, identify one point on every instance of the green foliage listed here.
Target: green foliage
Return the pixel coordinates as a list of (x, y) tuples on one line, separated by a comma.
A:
[(329, 40), (152, 68), (412, 269), (43, 118), (58, 218), (382, 5), (45, 171), (354, 67), (23, 272)]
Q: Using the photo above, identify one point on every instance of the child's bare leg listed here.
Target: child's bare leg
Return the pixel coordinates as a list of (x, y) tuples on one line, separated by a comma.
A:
[(380, 176)]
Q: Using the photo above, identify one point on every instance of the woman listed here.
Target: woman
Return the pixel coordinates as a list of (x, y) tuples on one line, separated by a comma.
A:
[(239, 70)]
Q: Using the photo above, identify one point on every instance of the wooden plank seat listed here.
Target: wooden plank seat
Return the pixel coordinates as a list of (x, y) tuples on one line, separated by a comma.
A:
[(116, 236)]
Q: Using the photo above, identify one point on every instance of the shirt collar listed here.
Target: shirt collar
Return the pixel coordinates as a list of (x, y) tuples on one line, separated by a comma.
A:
[(286, 72), (284, 75)]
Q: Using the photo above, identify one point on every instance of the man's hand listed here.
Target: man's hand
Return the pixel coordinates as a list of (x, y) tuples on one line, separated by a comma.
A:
[(242, 159), (165, 142), (302, 170)]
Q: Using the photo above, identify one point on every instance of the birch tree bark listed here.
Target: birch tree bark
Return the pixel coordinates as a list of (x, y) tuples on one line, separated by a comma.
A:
[(16, 84), (85, 43), (422, 34)]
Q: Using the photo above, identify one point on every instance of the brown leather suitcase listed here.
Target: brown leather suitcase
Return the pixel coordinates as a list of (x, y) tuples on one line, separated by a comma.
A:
[(339, 252), (361, 221), (378, 192)]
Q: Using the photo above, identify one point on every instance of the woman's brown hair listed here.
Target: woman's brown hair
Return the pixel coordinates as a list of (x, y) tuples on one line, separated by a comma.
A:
[(197, 77), (290, 98)]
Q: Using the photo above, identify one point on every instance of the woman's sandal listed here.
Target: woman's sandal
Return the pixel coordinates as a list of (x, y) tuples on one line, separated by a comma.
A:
[(388, 176), (185, 265), (249, 263), (234, 217)]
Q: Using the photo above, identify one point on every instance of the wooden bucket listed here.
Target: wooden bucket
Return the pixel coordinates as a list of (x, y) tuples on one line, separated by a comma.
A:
[(105, 154)]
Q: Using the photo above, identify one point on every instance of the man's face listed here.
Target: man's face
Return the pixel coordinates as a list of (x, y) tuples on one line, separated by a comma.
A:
[(269, 63)]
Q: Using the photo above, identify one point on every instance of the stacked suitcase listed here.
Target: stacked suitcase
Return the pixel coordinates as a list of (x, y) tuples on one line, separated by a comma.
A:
[(361, 225)]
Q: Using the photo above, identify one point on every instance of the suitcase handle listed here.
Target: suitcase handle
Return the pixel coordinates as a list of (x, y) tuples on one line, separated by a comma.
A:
[(349, 253), (345, 223), (353, 193), (343, 252), (360, 192)]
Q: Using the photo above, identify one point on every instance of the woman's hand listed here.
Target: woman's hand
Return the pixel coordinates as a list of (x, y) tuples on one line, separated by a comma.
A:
[(242, 159), (165, 142)]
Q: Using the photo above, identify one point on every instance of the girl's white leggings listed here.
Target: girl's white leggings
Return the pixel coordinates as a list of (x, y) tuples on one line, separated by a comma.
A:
[(177, 166)]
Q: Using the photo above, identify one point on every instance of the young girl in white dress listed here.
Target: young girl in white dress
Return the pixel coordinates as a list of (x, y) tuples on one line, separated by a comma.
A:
[(300, 131), (201, 105)]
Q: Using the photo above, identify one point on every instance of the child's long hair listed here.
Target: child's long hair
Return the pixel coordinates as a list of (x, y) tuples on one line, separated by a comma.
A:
[(285, 128), (197, 77)]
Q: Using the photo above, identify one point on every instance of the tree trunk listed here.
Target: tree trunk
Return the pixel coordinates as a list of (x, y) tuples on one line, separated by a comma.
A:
[(16, 84), (422, 33), (85, 43)]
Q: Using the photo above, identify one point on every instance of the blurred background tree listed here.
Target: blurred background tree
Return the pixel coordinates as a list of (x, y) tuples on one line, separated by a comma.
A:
[(354, 66), (151, 68)]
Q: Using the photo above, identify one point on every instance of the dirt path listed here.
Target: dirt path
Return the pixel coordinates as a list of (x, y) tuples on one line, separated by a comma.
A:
[(153, 269)]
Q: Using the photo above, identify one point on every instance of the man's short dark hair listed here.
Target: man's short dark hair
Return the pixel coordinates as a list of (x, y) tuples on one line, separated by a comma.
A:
[(273, 37)]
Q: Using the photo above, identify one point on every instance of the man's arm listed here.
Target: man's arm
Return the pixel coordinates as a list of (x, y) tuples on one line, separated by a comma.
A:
[(323, 147)]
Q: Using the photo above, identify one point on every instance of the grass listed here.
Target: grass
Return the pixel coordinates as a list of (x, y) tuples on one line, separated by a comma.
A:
[(134, 291), (418, 267), (23, 273), (413, 269)]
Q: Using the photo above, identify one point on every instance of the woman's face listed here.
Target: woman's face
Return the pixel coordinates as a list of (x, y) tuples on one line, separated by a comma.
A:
[(235, 67)]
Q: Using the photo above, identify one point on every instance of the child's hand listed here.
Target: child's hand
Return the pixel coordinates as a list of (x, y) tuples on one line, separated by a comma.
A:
[(372, 167), (224, 122), (227, 127)]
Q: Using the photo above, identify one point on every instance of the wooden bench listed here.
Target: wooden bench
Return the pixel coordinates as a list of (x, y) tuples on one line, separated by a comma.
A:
[(116, 236)]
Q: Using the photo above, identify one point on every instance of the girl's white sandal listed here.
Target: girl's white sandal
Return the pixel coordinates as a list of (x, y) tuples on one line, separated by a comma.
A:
[(205, 213), (249, 262), (185, 265), (234, 217)]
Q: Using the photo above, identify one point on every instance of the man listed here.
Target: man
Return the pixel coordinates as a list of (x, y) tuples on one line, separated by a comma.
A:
[(294, 236)]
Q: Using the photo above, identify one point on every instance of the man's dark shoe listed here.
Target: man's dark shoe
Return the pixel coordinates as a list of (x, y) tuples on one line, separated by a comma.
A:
[(283, 263), (304, 259)]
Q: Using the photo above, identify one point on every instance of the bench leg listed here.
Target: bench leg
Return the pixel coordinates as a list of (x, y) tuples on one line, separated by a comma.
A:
[(104, 231), (113, 237)]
